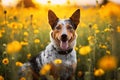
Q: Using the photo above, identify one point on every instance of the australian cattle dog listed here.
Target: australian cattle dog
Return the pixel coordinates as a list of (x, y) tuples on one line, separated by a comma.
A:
[(63, 40)]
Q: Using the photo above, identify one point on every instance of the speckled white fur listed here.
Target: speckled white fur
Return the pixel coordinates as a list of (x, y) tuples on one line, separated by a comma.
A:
[(50, 54)]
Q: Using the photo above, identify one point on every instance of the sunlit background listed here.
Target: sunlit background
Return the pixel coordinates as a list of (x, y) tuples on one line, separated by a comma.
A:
[(13, 3), (24, 32)]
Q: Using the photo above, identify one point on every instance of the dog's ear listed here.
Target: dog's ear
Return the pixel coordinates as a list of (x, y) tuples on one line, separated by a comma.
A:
[(75, 18), (52, 18)]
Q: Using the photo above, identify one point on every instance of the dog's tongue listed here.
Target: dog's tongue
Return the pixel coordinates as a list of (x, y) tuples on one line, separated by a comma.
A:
[(64, 45)]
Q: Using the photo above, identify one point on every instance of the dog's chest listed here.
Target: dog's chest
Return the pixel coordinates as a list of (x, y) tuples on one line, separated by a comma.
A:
[(52, 56), (62, 68)]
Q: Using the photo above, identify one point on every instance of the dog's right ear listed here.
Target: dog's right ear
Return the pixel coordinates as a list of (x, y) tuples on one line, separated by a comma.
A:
[(75, 18), (52, 18)]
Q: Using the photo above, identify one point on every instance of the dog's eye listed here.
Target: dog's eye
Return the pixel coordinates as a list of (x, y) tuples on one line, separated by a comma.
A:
[(58, 28), (70, 27)]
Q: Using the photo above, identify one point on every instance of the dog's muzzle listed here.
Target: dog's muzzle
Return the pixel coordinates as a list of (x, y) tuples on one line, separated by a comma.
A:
[(64, 37), (64, 42)]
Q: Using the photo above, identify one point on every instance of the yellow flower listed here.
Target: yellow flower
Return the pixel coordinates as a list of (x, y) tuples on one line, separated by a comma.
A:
[(90, 38), (19, 64), (108, 62), (28, 56), (107, 29), (99, 72), (22, 78), (13, 47), (24, 43), (103, 46), (1, 77), (4, 22), (118, 28), (85, 50), (5, 61), (95, 26), (13, 25), (36, 41), (34, 26), (97, 31), (57, 61), (20, 25), (45, 69), (107, 51), (25, 34), (36, 31), (34, 21), (2, 31), (43, 72)]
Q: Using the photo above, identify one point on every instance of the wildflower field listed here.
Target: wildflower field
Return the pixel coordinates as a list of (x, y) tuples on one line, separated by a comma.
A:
[(24, 32)]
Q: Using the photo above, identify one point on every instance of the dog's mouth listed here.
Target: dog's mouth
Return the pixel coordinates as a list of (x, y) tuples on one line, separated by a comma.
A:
[(64, 45), (64, 42)]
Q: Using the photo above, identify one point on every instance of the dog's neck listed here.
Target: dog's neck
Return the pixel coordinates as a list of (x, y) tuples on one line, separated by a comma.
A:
[(61, 52)]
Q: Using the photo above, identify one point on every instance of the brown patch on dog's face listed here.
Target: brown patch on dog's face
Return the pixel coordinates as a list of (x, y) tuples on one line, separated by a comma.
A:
[(63, 31), (63, 34)]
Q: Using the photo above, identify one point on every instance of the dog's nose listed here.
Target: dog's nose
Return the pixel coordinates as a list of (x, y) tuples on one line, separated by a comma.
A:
[(64, 37)]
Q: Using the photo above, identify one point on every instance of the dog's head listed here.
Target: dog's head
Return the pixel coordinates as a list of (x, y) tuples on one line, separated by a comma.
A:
[(63, 30)]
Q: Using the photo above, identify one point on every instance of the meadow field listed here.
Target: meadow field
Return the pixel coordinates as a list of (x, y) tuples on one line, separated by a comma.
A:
[(24, 32)]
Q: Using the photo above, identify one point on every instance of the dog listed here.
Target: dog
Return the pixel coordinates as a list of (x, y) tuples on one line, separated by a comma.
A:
[(63, 40)]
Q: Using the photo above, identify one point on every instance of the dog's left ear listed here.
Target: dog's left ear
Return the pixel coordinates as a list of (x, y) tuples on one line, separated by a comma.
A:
[(75, 18), (52, 18)]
